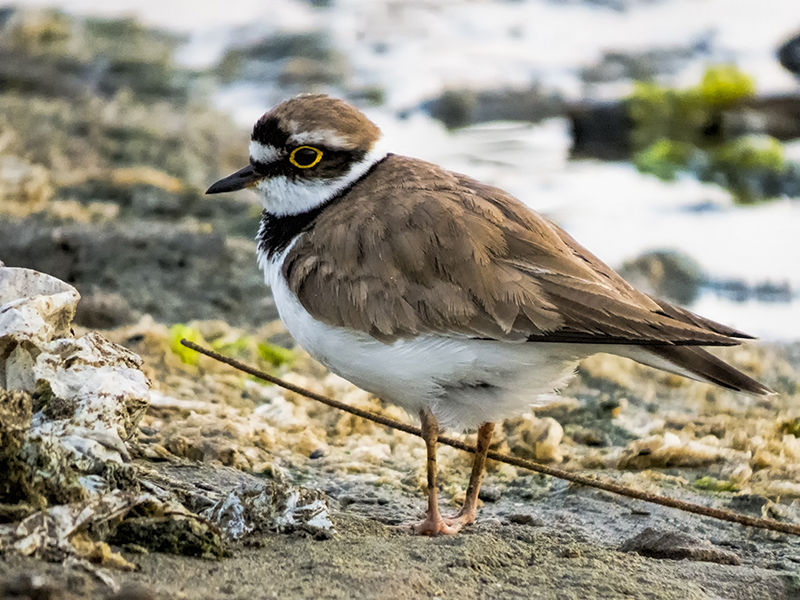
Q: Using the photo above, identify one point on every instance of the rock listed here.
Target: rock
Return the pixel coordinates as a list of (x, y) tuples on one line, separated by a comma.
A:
[(272, 507), (459, 107), (750, 503), (524, 519), (642, 65), (733, 140), (537, 439), (90, 393), (51, 53), (305, 71), (601, 130), (135, 591), (293, 59), (101, 380), (453, 108), (667, 274), (668, 450), (104, 310), (587, 436), (36, 308), (15, 419), (789, 55), (547, 434), (489, 494), (741, 291), (51, 533), (182, 534), (30, 586), (775, 115), (677, 277), (677, 546)]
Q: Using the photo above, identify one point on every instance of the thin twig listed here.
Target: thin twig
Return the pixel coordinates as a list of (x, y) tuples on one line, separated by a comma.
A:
[(607, 486)]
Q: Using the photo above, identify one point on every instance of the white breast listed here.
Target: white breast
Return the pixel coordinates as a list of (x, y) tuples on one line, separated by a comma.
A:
[(465, 382)]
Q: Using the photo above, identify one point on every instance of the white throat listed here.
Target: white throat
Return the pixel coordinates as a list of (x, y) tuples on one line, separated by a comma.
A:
[(284, 197)]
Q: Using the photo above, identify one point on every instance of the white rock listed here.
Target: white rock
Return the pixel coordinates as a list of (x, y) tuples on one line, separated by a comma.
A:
[(95, 391), (34, 307)]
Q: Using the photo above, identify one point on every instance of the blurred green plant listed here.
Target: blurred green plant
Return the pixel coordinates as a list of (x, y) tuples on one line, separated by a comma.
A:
[(681, 131), (751, 167), (790, 426), (180, 331), (724, 85), (276, 355), (246, 347), (664, 158), (713, 484)]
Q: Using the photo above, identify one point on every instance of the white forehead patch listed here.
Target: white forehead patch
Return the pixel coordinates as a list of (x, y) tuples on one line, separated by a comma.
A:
[(323, 137), (263, 153)]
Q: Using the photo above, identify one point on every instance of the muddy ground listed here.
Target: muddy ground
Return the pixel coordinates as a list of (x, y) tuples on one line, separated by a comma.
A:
[(565, 545), (102, 187)]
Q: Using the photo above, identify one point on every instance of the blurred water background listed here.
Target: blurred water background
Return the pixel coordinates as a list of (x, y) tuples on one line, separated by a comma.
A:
[(491, 89)]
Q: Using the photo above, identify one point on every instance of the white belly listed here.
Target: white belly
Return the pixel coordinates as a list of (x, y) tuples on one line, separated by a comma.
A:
[(465, 382)]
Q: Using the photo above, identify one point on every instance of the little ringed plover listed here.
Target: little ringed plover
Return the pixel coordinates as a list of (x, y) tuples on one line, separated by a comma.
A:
[(436, 292)]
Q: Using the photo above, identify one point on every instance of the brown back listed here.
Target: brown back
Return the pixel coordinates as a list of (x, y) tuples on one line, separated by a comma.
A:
[(416, 249)]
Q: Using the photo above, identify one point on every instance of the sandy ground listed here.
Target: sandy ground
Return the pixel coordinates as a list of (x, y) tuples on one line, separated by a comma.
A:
[(563, 545)]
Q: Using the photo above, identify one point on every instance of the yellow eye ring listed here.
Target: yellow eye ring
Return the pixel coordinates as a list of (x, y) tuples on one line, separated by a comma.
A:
[(293, 160)]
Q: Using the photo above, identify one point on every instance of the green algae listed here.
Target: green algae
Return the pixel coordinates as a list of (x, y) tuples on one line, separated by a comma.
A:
[(247, 347), (712, 484), (680, 131), (178, 332)]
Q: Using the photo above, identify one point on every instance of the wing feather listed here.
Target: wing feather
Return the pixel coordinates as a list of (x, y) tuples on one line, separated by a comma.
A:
[(415, 249)]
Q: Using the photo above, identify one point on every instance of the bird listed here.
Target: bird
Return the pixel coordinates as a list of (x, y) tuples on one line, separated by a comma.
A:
[(441, 294)]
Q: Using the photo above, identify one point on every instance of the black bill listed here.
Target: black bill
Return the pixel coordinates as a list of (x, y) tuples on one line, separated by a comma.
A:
[(243, 178)]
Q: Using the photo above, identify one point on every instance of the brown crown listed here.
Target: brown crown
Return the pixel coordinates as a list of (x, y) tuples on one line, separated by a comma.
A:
[(350, 129)]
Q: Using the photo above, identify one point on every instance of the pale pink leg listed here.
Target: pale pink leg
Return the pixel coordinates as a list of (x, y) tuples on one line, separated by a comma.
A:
[(469, 511), (434, 524)]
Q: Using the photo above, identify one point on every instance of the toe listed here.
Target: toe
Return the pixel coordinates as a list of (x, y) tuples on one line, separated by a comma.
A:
[(434, 527)]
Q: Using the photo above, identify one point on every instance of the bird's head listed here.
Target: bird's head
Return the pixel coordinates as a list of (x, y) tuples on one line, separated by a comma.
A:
[(303, 152)]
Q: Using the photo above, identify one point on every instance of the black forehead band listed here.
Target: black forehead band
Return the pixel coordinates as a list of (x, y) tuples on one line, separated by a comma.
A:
[(268, 132)]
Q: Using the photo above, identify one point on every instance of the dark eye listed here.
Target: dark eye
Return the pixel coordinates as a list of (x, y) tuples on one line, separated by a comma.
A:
[(305, 157)]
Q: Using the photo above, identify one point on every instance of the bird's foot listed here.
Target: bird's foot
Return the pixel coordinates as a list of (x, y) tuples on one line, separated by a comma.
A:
[(434, 525)]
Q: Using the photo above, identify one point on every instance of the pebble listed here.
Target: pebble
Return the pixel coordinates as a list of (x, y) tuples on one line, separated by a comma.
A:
[(489, 494), (654, 543), (522, 519)]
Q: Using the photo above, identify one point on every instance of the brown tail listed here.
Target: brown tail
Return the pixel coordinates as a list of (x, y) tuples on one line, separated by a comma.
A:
[(705, 366)]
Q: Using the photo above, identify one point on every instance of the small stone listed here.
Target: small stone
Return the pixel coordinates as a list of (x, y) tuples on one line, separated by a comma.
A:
[(677, 546), (750, 503), (489, 494), (134, 591), (547, 434), (522, 519)]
